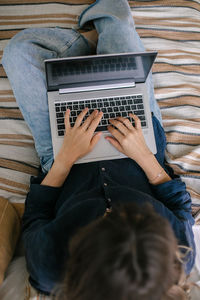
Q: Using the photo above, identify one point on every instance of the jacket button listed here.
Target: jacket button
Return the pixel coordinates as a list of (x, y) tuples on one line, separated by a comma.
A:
[(105, 184)]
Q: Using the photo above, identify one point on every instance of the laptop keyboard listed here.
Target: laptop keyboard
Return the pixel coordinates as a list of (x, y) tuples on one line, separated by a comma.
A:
[(111, 107)]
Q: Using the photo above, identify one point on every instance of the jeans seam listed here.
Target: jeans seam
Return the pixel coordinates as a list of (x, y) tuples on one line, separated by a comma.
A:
[(70, 43)]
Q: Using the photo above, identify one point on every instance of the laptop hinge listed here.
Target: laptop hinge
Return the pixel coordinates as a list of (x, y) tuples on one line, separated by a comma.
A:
[(97, 87)]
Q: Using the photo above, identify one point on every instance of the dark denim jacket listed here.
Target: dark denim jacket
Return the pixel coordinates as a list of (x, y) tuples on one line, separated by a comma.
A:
[(53, 215)]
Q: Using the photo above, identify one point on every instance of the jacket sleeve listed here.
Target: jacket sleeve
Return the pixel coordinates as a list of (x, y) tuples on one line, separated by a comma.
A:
[(39, 204), (174, 196)]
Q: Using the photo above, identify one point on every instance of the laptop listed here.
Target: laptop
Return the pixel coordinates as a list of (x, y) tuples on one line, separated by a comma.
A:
[(112, 83)]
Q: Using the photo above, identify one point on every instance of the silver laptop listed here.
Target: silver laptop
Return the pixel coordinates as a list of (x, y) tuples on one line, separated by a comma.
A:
[(112, 83)]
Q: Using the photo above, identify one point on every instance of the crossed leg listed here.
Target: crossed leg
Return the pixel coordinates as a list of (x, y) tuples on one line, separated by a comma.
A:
[(24, 56)]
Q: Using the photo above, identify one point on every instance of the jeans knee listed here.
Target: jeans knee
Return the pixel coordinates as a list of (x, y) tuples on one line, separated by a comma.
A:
[(14, 48)]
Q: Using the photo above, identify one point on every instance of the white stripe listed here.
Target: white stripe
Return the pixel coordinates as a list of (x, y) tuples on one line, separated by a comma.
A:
[(27, 10), (186, 129), (159, 12)]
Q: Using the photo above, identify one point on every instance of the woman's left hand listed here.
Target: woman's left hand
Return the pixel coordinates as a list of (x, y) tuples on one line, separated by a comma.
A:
[(128, 139)]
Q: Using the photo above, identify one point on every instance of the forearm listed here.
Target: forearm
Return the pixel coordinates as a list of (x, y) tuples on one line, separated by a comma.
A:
[(57, 174), (153, 170)]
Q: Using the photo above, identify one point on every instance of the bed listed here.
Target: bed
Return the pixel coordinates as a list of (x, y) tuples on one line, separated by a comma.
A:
[(171, 27)]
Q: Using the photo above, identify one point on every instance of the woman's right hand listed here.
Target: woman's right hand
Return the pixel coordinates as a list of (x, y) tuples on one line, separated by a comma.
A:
[(128, 139)]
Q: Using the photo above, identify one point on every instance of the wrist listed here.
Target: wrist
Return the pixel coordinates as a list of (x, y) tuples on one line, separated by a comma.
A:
[(153, 170), (146, 160), (57, 174)]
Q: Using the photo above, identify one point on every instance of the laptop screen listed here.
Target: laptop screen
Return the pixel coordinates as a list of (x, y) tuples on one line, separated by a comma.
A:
[(98, 69)]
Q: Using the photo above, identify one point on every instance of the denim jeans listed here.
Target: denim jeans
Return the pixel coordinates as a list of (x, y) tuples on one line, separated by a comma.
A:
[(23, 61)]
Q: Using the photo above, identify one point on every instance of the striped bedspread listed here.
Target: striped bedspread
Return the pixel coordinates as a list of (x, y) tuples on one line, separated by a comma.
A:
[(170, 27)]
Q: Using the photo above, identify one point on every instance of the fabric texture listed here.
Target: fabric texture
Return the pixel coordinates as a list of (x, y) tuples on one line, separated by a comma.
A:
[(10, 225)]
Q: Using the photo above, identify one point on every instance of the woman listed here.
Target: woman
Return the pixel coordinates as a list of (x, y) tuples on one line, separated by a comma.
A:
[(133, 213)]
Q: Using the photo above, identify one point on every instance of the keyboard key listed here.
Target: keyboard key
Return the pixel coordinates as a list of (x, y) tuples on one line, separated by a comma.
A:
[(115, 109), (139, 112), (59, 115), (63, 108), (142, 118), (57, 109), (73, 113), (61, 132), (60, 121), (112, 115), (143, 124), (61, 127), (101, 128), (121, 108), (140, 106), (136, 101)]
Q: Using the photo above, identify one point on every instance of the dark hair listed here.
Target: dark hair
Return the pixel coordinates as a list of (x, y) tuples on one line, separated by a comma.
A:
[(128, 255)]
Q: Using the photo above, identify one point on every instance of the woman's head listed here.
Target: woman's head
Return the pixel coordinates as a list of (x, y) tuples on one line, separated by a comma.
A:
[(129, 254)]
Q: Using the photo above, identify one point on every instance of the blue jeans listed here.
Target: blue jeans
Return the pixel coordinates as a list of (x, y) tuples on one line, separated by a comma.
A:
[(23, 61)]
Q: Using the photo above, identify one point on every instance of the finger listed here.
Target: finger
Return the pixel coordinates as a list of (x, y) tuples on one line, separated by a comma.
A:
[(119, 125), (137, 121), (114, 142), (80, 117), (126, 122), (95, 122), (67, 122), (89, 119), (95, 140), (116, 133)]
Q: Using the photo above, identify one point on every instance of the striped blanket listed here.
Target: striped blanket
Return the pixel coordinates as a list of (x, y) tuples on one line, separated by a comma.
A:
[(171, 27)]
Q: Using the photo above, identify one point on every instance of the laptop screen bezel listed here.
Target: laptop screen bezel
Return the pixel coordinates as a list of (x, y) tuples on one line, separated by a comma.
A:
[(99, 82)]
